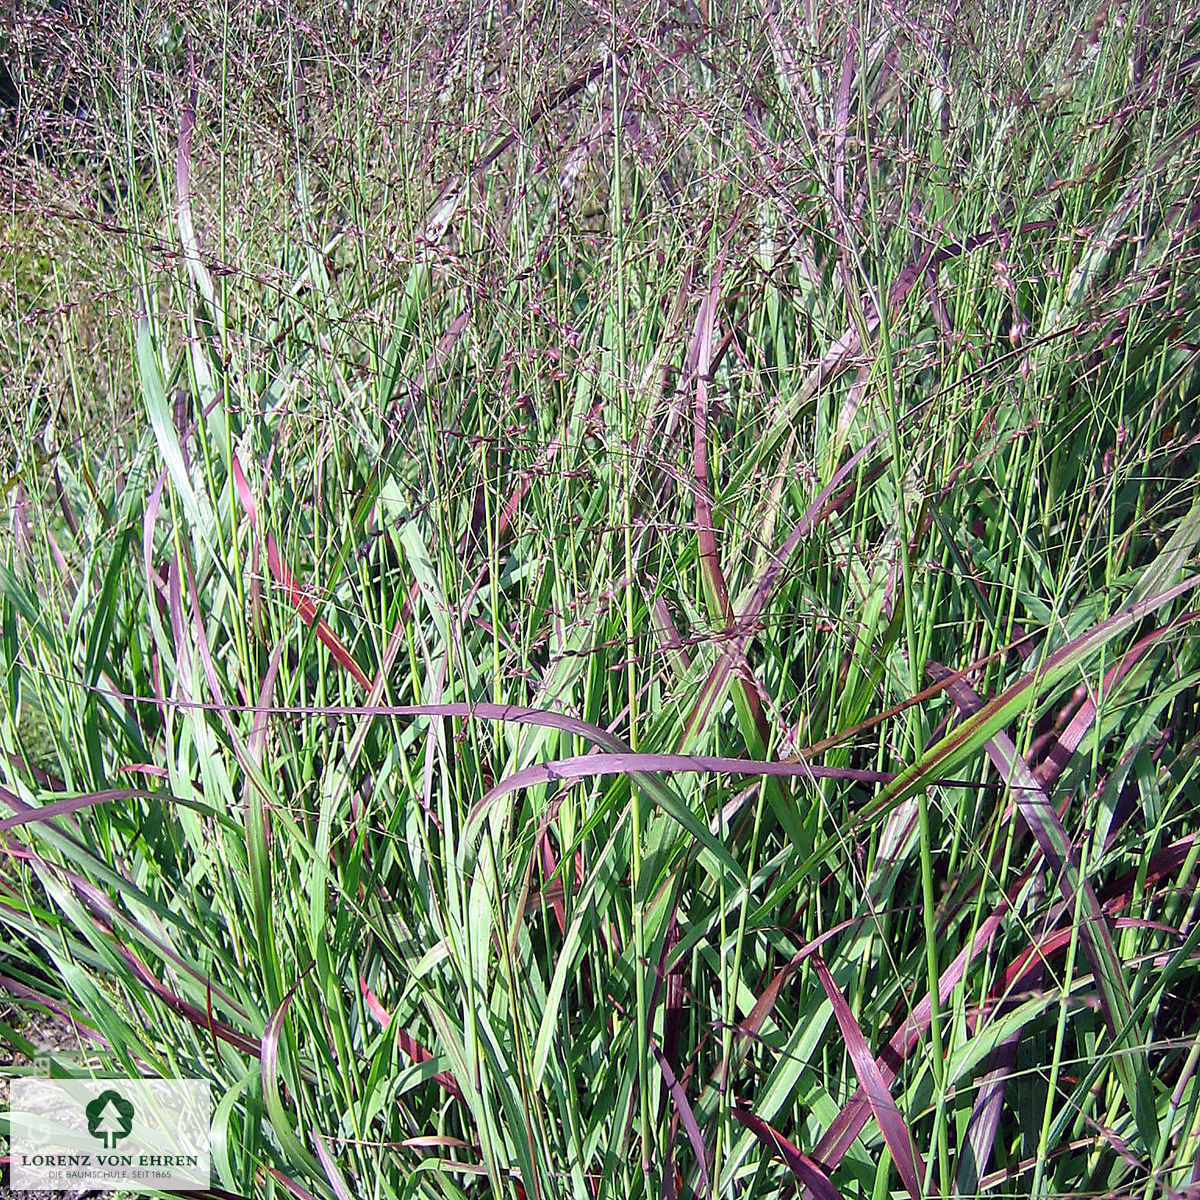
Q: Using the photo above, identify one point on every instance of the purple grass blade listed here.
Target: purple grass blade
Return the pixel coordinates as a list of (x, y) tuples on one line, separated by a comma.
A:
[(296, 595), (333, 1173), (22, 535), (895, 1132), (852, 1119), (244, 757), (984, 1122), (415, 1051), (591, 766), (842, 120), (668, 634), (673, 1003), (296, 1189), (825, 503), (808, 1172), (1057, 848), (686, 1115), (197, 1016), (43, 778), (705, 529), (107, 913), (399, 413), (706, 534), (64, 504), (258, 733), (71, 804), (1048, 771), (21, 991)]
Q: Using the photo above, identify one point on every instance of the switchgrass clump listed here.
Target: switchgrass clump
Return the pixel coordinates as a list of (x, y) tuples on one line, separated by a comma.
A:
[(601, 602)]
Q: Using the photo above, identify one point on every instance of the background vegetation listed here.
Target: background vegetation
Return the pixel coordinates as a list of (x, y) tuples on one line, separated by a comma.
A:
[(600, 601)]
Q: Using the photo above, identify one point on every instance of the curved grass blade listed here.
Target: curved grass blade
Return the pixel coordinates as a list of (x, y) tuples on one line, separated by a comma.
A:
[(591, 766), (852, 1119), (86, 800), (272, 1098)]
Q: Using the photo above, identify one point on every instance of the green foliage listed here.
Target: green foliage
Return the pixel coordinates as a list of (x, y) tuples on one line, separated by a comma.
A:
[(438, 399)]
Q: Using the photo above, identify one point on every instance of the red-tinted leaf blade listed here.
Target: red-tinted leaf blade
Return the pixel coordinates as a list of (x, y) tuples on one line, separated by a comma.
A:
[(891, 1123), (686, 1115), (1038, 812), (808, 1172)]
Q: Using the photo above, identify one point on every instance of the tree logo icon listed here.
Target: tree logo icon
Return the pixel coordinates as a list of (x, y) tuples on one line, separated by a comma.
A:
[(109, 1118)]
